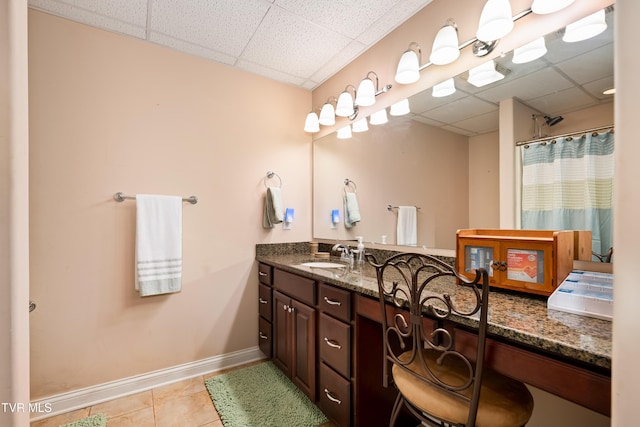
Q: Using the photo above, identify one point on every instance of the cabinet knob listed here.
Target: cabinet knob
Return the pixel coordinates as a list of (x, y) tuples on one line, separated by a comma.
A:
[(286, 307), (263, 301), (331, 398)]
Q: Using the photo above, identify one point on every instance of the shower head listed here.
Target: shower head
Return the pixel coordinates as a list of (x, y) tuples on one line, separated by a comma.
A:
[(553, 120)]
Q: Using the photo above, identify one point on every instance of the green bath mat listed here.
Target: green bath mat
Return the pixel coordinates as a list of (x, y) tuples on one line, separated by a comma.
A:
[(98, 420), (261, 396)]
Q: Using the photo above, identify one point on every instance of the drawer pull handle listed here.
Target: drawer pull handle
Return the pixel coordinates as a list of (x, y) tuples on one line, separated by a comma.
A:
[(263, 336), (263, 301), (332, 343), (331, 398), (332, 302), (262, 273)]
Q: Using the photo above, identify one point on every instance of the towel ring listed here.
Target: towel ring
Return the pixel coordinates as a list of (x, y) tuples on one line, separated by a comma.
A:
[(270, 175), (348, 182)]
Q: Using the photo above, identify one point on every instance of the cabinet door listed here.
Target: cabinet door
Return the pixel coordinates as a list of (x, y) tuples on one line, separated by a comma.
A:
[(528, 265), (478, 253), (281, 330), (303, 336)]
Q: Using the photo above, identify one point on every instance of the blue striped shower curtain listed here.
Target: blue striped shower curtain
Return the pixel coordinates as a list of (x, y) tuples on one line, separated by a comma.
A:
[(569, 186)]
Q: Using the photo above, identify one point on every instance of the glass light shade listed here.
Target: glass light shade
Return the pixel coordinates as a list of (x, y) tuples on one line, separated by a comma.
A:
[(484, 74), (496, 20), (445, 46), (366, 94), (327, 115), (542, 7), (408, 68), (311, 124), (360, 126), (529, 51), (379, 117), (400, 108), (344, 133), (445, 88), (585, 28), (344, 107)]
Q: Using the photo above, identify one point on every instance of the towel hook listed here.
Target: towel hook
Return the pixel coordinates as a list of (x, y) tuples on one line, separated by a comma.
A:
[(270, 175), (347, 181)]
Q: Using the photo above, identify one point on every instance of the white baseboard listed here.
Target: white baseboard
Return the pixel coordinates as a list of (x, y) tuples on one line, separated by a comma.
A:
[(82, 398)]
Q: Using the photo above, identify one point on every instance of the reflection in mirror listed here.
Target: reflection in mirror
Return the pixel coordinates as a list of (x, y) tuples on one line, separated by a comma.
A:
[(443, 156)]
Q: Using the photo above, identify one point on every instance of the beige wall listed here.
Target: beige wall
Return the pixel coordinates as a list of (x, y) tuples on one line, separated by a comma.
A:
[(111, 113), (14, 210), (626, 228)]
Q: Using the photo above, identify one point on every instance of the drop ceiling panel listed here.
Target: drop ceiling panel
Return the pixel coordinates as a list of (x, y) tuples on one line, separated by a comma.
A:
[(572, 99), (458, 110), (121, 16), (225, 26), (289, 43), (534, 85), (349, 18), (589, 67)]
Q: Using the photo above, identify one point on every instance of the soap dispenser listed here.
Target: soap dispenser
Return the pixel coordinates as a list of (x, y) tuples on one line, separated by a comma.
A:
[(360, 249)]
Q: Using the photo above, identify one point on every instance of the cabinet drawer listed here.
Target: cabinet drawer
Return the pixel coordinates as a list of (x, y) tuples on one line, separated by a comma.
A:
[(334, 396), (298, 287), (264, 301), (264, 336), (265, 274), (334, 340), (335, 301)]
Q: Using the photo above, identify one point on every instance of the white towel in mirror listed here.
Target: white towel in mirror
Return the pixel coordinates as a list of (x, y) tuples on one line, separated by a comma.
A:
[(407, 229), (351, 209)]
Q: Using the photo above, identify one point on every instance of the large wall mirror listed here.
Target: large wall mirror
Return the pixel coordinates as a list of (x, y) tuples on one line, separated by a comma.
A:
[(444, 154)]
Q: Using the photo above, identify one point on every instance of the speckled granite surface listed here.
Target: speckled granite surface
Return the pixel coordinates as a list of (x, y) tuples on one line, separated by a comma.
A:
[(515, 317)]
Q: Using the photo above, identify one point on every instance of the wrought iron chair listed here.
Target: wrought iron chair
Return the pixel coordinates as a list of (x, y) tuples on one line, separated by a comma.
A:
[(608, 257), (437, 383)]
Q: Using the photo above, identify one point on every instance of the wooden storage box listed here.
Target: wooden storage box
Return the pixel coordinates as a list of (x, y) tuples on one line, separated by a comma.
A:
[(532, 261)]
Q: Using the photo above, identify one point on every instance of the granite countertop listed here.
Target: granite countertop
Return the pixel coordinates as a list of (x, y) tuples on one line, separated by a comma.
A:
[(515, 317)]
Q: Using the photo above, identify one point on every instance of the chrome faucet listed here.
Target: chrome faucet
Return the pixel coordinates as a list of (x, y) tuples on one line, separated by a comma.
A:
[(346, 254)]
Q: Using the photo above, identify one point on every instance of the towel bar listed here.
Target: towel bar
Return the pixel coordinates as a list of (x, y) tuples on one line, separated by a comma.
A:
[(121, 197), (391, 208)]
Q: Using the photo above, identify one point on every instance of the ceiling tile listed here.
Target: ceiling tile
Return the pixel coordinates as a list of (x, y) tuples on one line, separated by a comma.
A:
[(586, 68), (192, 49), (221, 25), (527, 87), (390, 20), (292, 44), (270, 73), (349, 18), (561, 102), (121, 16), (341, 59), (460, 109)]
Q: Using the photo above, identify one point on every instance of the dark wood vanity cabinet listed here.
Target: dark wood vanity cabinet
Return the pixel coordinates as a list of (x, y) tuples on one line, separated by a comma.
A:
[(265, 309), (294, 329), (335, 337)]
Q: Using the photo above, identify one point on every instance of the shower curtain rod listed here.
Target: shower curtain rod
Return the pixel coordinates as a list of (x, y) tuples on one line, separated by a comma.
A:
[(551, 138)]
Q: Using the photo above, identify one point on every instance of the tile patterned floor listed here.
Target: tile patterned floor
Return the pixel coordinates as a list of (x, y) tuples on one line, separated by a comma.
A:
[(181, 404)]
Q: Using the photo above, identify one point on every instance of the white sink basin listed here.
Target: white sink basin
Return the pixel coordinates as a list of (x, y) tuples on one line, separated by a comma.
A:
[(323, 264)]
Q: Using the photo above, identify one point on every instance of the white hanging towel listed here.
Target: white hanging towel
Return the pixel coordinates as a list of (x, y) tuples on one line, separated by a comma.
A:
[(273, 210), (158, 244), (407, 226)]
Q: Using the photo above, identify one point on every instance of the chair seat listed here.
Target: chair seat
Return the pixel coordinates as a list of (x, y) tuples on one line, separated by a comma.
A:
[(504, 402)]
